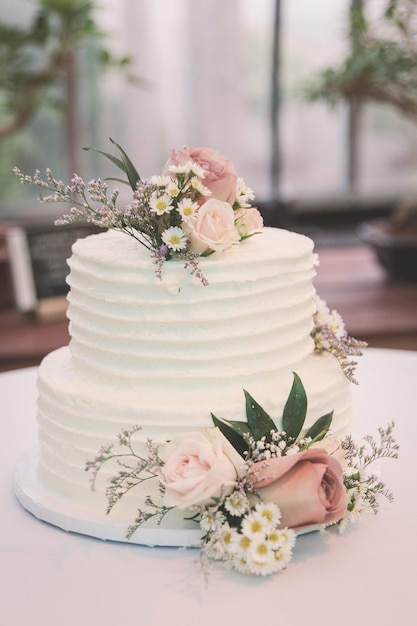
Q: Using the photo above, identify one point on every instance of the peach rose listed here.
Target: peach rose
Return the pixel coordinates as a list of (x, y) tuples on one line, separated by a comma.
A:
[(248, 221), (213, 228), (196, 470), (307, 487), (220, 174)]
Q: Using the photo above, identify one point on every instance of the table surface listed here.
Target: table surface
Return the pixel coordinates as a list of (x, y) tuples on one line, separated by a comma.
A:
[(366, 575)]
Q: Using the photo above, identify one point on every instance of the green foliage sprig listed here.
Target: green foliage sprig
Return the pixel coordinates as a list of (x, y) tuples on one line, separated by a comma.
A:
[(260, 427)]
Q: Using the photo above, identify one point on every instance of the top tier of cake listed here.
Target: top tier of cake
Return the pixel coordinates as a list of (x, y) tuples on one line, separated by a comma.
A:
[(129, 326)]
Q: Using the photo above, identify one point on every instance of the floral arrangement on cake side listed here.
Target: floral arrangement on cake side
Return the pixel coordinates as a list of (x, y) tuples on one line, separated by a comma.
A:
[(251, 486), (196, 206)]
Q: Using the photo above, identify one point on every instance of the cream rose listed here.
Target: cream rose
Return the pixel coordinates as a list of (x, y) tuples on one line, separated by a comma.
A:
[(196, 470), (213, 227), (307, 487), (248, 221), (220, 174)]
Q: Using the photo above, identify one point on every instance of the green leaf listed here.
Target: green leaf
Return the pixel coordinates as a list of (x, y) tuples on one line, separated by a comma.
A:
[(320, 427), (117, 180), (130, 169), (124, 164), (295, 409), (259, 422), (118, 162), (232, 434)]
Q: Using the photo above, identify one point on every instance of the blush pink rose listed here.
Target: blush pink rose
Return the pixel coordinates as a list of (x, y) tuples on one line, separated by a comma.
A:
[(220, 174), (248, 221), (196, 470), (213, 228), (307, 487)]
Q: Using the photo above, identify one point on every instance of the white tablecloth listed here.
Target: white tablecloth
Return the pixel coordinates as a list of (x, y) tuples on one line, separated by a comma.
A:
[(368, 575)]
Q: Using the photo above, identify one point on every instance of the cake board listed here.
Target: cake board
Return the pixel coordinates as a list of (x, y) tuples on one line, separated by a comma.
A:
[(49, 507)]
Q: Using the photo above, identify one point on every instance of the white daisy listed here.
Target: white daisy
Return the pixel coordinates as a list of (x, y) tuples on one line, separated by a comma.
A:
[(243, 193), (261, 551), (175, 238), (261, 559), (270, 512), (196, 169), (282, 557), (197, 185), (255, 525), (240, 545), (186, 168), (187, 209), (160, 204), (212, 520), (172, 189), (161, 181), (240, 564), (237, 503)]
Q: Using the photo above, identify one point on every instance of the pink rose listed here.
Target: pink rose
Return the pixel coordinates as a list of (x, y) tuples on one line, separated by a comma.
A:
[(220, 175), (307, 487), (213, 227), (196, 470), (248, 221)]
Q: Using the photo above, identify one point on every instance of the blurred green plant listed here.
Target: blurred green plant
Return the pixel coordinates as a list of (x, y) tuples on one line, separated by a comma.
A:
[(382, 64), (41, 56)]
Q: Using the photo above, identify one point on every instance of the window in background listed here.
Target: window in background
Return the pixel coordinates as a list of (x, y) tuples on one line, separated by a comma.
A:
[(206, 67)]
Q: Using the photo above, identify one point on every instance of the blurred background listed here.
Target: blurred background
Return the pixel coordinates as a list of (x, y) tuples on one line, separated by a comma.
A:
[(314, 102)]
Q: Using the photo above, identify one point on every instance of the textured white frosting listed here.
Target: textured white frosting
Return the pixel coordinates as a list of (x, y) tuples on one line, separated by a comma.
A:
[(166, 354)]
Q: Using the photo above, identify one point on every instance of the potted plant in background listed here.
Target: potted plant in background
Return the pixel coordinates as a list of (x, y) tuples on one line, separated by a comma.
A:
[(381, 67)]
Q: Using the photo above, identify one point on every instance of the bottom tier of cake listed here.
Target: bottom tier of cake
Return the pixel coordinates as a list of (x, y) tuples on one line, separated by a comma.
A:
[(78, 416)]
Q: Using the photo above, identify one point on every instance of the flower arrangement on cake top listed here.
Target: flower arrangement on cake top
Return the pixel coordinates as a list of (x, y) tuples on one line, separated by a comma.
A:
[(251, 486), (196, 206)]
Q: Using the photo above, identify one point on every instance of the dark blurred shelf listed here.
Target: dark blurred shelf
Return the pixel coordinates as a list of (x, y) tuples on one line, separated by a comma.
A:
[(25, 340), (374, 307)]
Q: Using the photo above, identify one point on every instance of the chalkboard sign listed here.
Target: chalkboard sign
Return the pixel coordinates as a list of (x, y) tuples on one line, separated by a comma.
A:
[(38, 260)]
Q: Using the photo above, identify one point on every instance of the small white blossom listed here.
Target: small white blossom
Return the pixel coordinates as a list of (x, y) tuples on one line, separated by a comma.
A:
[(187, 209), (270, 512), (175, 238), (172, 189), (161, 181), (197, 185), (240, 545), (255, 524), (160, 204), (243, 194), (237, 503)]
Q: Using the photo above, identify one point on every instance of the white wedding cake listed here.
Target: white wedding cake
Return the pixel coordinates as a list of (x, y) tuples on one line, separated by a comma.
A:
[(166, 354), (202, 373)]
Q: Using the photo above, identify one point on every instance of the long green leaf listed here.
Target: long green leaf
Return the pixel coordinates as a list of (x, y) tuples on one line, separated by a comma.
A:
[(320, 427), (118, 162), (233, 436), (295, 409), (130, 169), (259, 422)]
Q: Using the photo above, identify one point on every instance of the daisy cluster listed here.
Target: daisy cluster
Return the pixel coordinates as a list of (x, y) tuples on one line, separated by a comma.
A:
[(247, 538), (329, 334)]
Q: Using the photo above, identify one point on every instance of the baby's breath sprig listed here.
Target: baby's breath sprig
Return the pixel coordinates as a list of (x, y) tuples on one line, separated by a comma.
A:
[(329, 334), (133, 469), (364, 488), (152, 511)]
